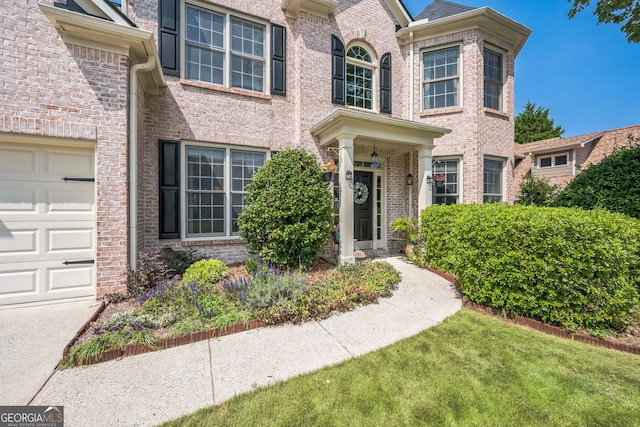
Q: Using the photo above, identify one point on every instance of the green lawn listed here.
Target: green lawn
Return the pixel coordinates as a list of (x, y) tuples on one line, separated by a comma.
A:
[(470, 370)]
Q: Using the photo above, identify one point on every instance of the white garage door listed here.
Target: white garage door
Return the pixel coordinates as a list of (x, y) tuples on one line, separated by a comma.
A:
[(47, 222)]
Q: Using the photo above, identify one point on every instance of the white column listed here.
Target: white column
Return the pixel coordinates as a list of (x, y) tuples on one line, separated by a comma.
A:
[(345, 145), (424, 170)]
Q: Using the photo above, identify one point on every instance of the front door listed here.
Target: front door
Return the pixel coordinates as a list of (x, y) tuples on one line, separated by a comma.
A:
[(363, 209)]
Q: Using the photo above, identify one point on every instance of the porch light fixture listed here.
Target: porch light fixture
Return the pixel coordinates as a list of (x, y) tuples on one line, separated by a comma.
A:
[(410, 179), (374, 157), (429, 179), (349, 176)]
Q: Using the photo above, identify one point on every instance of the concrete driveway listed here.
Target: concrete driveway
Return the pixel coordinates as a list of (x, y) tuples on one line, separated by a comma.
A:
[(32, 339)]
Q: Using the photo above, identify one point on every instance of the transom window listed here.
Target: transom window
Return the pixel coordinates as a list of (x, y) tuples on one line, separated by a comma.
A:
[(224, 49), (445, 185), (492, 181), (440, 78), (359, 78), (216, 186), (492, 80), (557, 160)]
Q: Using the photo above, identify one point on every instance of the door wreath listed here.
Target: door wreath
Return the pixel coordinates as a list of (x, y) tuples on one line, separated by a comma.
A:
[(360, 193)]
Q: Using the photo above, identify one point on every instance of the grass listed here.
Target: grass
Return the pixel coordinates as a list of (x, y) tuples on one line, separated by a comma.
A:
[(472, 370)]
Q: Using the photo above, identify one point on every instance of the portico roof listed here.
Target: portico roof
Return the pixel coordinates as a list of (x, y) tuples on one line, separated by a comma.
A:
[(398, 134)]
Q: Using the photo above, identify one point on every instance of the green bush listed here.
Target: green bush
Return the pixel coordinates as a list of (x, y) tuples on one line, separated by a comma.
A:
[(575, 268), (205, 272), (613, 184), (287, 218), (536, 191)]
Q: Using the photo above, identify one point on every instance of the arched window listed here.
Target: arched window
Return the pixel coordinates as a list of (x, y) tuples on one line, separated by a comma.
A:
[(359, 78)]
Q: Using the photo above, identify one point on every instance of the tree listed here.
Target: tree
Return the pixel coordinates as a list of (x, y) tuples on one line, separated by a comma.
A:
[(534, 124), (288, 213), (612, 184), (626, 12)]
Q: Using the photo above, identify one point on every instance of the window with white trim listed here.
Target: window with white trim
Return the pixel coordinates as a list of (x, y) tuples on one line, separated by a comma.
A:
[(224, 49), (216, 186), (492, 181), (555, 160), (493, 70), (445, 182), (359, 78), (440, 78)]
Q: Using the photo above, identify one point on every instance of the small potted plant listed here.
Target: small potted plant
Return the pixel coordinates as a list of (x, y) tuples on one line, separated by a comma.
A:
[(328, 169)]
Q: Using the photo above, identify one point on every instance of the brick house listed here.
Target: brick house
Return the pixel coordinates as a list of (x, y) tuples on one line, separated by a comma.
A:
[(559, 160), (125, 128)]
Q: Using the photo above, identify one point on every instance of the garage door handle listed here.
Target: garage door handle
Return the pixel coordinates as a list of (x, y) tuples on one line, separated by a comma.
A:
[(79, 179), (84, 261)]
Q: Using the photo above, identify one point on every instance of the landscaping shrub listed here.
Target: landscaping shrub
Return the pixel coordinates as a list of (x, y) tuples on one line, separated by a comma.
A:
[(206, 272), (177, 261), (287, 217), (151, 269), (575, 268), (613, 184), (536, 191)]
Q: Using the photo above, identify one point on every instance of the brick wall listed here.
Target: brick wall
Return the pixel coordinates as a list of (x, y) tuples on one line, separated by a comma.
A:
[(52, 89)]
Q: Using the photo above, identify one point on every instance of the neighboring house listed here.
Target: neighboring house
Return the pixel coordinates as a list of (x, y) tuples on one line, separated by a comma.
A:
[(127, 128), (560, 159)]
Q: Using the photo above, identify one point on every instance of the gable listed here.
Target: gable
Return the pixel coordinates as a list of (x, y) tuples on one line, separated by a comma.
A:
[(441, 9)]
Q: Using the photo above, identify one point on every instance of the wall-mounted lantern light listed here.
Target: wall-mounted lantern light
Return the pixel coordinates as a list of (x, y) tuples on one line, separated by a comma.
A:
[(409, 179), (349, 176)]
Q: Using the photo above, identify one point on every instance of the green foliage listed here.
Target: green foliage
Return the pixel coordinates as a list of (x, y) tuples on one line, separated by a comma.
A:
[(534, 124), (206, 272), (578, 269), (151, 269), (270, 288), (287, 219), (177, 261), (251, 265), (536, 191), (613, 184), (409, 227), (91, 349), (626, 12)]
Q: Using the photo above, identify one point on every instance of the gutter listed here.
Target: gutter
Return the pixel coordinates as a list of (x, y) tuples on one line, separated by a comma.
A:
[(133, 155)]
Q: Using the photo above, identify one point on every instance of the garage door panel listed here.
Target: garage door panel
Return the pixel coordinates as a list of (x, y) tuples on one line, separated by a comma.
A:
[(70, 278), (18, 242), (69, 240), (23, 282), (18, 161), (70, 201), (18, 200), (70, 164)]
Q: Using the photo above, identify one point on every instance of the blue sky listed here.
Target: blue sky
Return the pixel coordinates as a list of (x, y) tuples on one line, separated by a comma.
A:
[(587, 74)]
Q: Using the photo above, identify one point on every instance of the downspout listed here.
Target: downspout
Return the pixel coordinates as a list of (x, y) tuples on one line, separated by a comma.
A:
[(410, 187), (133, 156), (411, 76), (124, 7)]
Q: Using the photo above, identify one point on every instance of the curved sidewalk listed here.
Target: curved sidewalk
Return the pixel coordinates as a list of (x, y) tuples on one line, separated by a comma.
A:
[(155, 387)]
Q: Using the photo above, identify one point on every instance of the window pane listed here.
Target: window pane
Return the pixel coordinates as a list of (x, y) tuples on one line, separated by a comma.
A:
[(492, 181), (360, 53), (561, 160), (247, 38), (247, 73), (445, 182), (205, 27), (492, 80), (441, 66), (205, 199), (243, 166), (205, 65), (545, 162), (359, 85)]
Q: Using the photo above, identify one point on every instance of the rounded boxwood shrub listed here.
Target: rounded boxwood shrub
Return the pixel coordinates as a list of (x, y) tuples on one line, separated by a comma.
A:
[(206, 272), (613, 184), (287, 218), (570, 267)]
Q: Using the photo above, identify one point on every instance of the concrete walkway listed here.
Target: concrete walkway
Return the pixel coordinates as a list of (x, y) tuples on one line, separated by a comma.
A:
[(148, 389)]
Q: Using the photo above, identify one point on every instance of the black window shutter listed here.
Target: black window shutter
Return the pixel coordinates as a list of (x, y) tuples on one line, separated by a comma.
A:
[(278, 60), (169, 40), (169, 180), (337, 70), (385, 83)]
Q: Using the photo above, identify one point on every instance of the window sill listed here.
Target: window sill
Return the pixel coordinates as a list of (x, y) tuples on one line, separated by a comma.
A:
[(212, 241), (441, 111), (497, 113), (220, 88)]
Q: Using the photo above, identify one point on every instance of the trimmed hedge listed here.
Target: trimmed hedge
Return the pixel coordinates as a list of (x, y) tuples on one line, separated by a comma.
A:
[(578, 269)]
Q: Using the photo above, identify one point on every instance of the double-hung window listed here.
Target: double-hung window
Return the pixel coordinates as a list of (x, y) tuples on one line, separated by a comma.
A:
[(493, 70), (216, 186), (224, 49), (441, 78), (446, 182), (359, 78), (493, 181)]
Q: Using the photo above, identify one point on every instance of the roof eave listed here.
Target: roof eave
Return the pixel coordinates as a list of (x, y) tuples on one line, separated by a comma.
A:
[(556, 148)]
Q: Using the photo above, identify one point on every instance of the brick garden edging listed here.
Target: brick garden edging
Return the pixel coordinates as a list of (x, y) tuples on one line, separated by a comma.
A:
[(552, 330), (159, 344)]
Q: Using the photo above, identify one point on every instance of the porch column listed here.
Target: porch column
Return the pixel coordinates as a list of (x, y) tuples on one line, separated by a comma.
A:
[(345, 145), (424, 170)]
